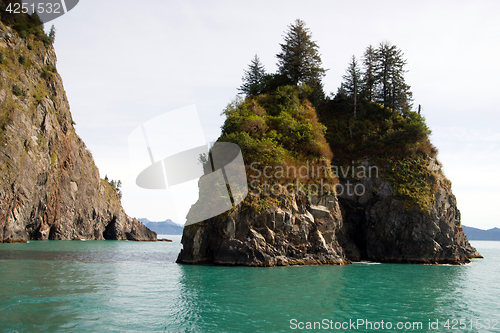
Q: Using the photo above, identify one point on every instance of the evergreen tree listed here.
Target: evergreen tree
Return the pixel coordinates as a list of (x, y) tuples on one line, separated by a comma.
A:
[(352, 79), (253, 79), (391, 89), (52, 34), (299, 60), (369, 63)]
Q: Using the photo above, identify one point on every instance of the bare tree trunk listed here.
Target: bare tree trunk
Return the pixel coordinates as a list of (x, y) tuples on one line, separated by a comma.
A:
[(355, 96)]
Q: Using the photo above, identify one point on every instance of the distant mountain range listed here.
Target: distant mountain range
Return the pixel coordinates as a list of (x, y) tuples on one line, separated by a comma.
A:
[(480, 234), (167, 227)]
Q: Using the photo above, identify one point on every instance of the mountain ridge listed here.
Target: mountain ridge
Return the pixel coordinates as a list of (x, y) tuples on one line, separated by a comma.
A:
[(167, 227), (472, 233)]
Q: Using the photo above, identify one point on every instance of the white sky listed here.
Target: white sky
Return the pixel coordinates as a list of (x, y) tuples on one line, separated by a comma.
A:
[(125, 62)]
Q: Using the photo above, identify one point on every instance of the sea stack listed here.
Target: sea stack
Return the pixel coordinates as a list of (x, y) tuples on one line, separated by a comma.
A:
[(402, 211)]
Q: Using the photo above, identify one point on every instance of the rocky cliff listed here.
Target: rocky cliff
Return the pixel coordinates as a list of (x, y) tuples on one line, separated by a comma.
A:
[(296, 231), (49, 187), (375, 226), (406, 213), (380, 226)]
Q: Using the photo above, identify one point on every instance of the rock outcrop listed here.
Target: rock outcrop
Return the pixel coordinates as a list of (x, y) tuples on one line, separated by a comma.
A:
[(49, 185), (404, 214), (381, 227), (297, 231), (375, 226)]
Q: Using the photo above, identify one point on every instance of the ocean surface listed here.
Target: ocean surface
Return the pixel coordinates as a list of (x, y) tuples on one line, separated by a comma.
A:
[(117, 286)]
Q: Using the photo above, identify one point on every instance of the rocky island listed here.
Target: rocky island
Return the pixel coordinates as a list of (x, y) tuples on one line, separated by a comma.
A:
[(371, 187), (49, 187)]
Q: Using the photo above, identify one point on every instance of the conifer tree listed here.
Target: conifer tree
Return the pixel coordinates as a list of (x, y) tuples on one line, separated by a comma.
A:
[(368, 82), (299, 60), (52, 34), (253, 79), (352, 80), (392, 90)]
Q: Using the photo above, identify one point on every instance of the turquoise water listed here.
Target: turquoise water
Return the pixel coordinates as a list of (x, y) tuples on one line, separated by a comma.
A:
[(113, 286)]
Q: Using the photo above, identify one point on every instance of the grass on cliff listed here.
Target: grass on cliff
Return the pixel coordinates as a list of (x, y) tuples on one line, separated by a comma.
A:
[(398, 143), (25, 25), (6, 113)]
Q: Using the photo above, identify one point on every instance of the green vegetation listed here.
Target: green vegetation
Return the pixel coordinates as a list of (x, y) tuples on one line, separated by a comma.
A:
[(253, 79), (40, 92), (397, 143), (52, 34), (299, 63), (412, 179), (6, 112), (115, 184), (48, 72), (370, 117), (278, 130), (382, 80), (377, 131), (17, 91), (25, 25), (275, 128), (53, 158)]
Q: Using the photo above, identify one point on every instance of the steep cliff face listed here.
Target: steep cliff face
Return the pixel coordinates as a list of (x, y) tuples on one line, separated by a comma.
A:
[(49, 187), (380, 226), (376, 226), (297, 231)]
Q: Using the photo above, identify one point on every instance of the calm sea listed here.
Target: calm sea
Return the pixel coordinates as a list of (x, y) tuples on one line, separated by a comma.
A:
[(113, 286)]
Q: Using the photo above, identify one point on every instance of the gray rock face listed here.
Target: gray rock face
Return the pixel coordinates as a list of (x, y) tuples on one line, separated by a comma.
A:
[(375, 226), (381, 227), (298, 231), (49, 185)]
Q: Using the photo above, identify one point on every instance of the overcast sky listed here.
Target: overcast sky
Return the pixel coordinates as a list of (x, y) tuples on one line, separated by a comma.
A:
[(125, 62)]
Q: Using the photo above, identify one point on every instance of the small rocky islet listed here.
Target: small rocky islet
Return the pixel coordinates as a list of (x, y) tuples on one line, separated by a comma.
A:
[(402, 212)]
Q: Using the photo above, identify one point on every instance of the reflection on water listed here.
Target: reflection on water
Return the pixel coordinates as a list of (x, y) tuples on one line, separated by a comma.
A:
[(128, 286)]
